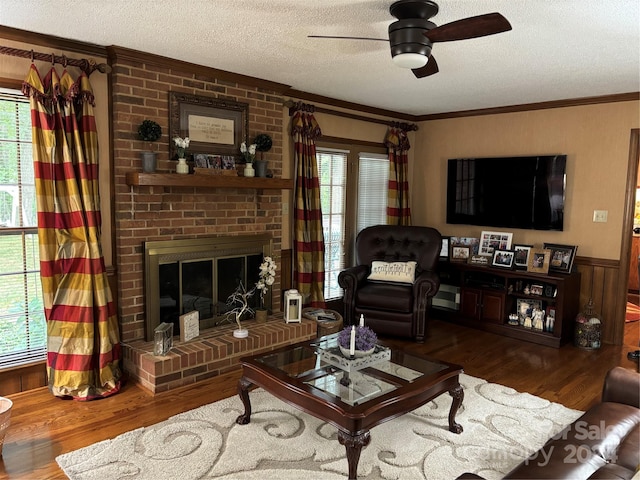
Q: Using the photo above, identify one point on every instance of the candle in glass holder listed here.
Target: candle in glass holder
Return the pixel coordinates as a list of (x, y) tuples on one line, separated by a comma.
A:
[(361, 320)]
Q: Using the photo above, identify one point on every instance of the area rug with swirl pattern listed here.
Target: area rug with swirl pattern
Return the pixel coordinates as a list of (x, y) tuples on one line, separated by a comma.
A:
[(502, 427)]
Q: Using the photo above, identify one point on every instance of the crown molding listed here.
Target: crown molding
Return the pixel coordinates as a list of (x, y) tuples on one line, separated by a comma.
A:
[(58, 43), (312, 97), (573, 102)]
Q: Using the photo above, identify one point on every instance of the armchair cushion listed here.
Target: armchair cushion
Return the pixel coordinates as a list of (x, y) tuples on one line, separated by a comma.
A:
[(393, 297), (396, 272)]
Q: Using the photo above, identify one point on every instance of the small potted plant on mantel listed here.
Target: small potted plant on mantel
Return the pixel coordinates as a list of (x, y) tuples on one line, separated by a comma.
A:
[(149, 131), (263, 144)]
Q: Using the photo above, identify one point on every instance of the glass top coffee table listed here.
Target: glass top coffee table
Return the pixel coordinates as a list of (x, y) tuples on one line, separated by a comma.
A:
[(353, 395)]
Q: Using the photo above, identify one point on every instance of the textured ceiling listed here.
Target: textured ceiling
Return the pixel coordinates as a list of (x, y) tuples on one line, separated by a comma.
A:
[(558, 49)]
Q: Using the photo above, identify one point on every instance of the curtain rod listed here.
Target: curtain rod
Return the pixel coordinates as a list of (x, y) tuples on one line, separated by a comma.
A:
[(88, 66), (405, 126)]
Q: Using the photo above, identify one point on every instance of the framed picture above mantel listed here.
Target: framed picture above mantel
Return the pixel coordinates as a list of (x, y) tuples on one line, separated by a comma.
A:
[(214, 126)]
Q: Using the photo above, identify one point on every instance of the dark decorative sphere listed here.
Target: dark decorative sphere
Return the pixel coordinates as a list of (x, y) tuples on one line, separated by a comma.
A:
[(263, 142), (149, 131)]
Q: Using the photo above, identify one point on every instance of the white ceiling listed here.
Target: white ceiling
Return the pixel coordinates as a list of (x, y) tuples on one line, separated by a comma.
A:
[(558, 49)]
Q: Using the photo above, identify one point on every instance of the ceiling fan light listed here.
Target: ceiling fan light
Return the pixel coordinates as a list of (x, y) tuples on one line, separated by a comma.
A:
[(410, 60)]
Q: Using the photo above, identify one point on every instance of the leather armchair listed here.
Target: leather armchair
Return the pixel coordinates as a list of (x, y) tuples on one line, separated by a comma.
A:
[(392, 308)]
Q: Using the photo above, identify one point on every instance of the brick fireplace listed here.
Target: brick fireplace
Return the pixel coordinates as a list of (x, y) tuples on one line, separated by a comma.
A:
[(140, 85)]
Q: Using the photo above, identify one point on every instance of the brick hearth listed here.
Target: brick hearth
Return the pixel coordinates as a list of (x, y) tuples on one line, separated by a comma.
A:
[(214, 352)]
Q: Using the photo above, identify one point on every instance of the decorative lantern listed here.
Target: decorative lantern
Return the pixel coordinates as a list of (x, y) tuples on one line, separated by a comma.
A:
[(588, 328), (292, 306)]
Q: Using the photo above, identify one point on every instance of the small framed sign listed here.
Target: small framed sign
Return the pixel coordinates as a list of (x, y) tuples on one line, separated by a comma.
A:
[(481, 260), (189, 326)]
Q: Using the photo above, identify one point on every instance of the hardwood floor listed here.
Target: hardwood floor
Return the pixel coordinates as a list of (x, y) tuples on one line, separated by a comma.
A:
[(43, 427)]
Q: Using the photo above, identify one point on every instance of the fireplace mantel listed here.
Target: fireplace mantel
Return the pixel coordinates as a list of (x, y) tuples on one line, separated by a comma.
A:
[(207, 181)]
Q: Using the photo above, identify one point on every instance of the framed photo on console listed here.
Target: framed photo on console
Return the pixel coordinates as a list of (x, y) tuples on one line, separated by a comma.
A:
[(562, 257), (460, 254), (444, 251), (503, 258), (490, 241), (539, 260), (471, 242), (521, 259)]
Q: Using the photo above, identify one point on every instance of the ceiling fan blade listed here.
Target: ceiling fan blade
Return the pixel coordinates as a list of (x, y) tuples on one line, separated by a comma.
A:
[(348, 38), (430, 68), (472, 27)]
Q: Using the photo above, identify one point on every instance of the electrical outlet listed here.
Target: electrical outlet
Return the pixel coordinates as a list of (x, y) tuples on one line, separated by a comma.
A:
[(600, 216), (285, 208)]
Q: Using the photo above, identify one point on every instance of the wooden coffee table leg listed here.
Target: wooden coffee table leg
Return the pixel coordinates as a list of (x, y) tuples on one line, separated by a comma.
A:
[(458, 395), (353, 445), (243, 391)]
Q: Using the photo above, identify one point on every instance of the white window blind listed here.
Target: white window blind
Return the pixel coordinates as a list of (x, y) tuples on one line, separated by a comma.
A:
[(353, 192), (22, 322), (332, 171), (373, 185)]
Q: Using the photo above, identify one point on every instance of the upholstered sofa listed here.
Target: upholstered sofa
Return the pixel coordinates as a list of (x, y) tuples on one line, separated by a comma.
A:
[(603, 443), (394, 279)]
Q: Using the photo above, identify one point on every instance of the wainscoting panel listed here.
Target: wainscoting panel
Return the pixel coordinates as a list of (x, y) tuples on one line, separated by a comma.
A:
[(20, 379), (601, 282)]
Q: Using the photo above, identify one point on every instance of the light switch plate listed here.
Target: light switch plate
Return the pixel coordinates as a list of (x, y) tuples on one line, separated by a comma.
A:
[(600, 216)]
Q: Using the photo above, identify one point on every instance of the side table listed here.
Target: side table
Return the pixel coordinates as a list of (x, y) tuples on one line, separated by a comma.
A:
[(325, 327)]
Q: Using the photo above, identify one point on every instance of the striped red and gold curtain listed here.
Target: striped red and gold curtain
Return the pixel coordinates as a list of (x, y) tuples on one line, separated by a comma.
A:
[(397, 143), (83, 345), (308, 233)]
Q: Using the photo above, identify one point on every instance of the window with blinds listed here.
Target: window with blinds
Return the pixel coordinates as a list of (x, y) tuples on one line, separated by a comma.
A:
[(332, 171), (353, 193), (373, 187), (22, 322)]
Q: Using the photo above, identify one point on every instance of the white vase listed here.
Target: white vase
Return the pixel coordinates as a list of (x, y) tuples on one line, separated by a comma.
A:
[(182, 166), (249, 171)]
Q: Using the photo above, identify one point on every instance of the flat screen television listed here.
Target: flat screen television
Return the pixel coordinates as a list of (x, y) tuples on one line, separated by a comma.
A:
[(507, 192)]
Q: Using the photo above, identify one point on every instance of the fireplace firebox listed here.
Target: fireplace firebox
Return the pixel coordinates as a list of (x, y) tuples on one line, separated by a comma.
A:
[(199, 274)]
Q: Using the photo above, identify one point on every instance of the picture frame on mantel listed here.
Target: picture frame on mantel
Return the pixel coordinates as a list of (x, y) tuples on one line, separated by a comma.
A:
[(213, 125)]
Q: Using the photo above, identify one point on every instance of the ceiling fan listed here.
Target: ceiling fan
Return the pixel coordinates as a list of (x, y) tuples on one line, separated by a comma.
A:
[(412, 35)]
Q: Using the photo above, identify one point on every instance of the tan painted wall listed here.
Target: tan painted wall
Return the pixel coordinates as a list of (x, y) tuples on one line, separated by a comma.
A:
[(16, 68), (595, 139)]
